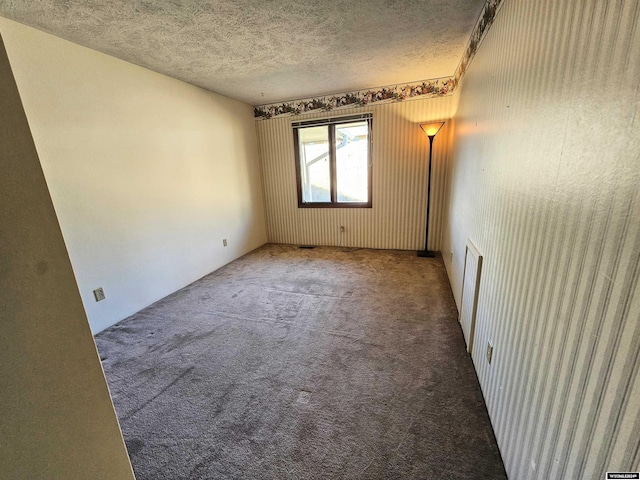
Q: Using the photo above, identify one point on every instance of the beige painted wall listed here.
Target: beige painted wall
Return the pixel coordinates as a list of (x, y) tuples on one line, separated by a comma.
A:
[(399, 156), (147, 174), (56, 416), (545, 182)]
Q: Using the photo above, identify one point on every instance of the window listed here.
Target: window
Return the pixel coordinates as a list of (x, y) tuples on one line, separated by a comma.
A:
[(333, 162)]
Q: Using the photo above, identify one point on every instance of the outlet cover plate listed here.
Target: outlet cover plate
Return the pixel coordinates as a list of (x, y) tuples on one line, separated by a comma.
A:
[(224, 242), (99, 294), (489, 352)]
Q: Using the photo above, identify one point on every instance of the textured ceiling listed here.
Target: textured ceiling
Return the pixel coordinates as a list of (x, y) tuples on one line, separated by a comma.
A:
[(269, 50)]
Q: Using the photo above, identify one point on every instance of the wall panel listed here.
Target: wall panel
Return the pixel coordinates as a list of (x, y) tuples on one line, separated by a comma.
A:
[(545, 180), (400, 154), (147, 174), (57, 419)]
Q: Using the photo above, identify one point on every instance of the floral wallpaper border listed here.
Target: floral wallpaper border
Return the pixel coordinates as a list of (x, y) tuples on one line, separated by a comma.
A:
[(485, 21), (390, 93), (360, 98)]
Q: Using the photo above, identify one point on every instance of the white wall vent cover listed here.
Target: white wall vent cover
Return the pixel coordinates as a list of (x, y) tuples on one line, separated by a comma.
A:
[(470, 289)]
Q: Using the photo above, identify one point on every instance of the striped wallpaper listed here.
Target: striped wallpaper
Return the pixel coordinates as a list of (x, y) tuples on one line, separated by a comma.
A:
[(545, 182), (400, 156)]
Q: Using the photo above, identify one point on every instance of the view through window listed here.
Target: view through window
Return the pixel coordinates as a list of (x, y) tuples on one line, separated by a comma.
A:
[(333, 162)]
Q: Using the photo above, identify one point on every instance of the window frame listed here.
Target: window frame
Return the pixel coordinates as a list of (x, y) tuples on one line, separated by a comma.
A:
[(332, 122)]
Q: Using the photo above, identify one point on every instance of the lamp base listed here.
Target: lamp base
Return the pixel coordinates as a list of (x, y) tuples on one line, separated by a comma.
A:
[(426, 253)]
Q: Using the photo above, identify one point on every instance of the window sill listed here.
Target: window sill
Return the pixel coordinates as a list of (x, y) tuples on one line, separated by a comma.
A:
[(334, 205)]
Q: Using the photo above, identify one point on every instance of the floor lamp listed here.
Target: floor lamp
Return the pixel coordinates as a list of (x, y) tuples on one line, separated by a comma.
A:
[(430, 130)]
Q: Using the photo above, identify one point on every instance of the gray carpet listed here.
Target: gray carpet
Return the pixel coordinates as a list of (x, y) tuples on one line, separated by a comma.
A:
[(302, 364)]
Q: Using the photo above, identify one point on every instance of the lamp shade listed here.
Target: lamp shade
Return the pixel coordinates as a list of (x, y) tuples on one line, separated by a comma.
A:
[(430, 129)]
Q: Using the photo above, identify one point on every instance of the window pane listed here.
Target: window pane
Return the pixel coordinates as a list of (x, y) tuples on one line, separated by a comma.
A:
[(352, 161), (315, 173)]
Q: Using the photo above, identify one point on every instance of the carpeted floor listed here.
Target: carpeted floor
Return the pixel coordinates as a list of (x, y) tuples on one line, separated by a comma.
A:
[(302, 364)]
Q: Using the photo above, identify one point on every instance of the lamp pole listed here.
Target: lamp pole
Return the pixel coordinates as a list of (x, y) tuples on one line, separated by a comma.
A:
[(430, 130)]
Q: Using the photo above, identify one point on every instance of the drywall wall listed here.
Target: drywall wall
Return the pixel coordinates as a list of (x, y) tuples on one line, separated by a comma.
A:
[(147, 174), (57, 418), (399, 174), (545, 182)]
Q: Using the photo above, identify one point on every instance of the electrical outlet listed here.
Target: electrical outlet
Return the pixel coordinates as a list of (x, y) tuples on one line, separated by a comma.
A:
[(489, 352), (99, 294), (224, 242)]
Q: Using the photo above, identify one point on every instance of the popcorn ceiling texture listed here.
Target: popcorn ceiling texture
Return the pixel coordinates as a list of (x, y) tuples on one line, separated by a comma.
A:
[(283, 49)]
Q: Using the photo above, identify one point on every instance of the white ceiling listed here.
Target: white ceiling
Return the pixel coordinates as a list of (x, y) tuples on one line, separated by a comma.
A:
[(264, 51)]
